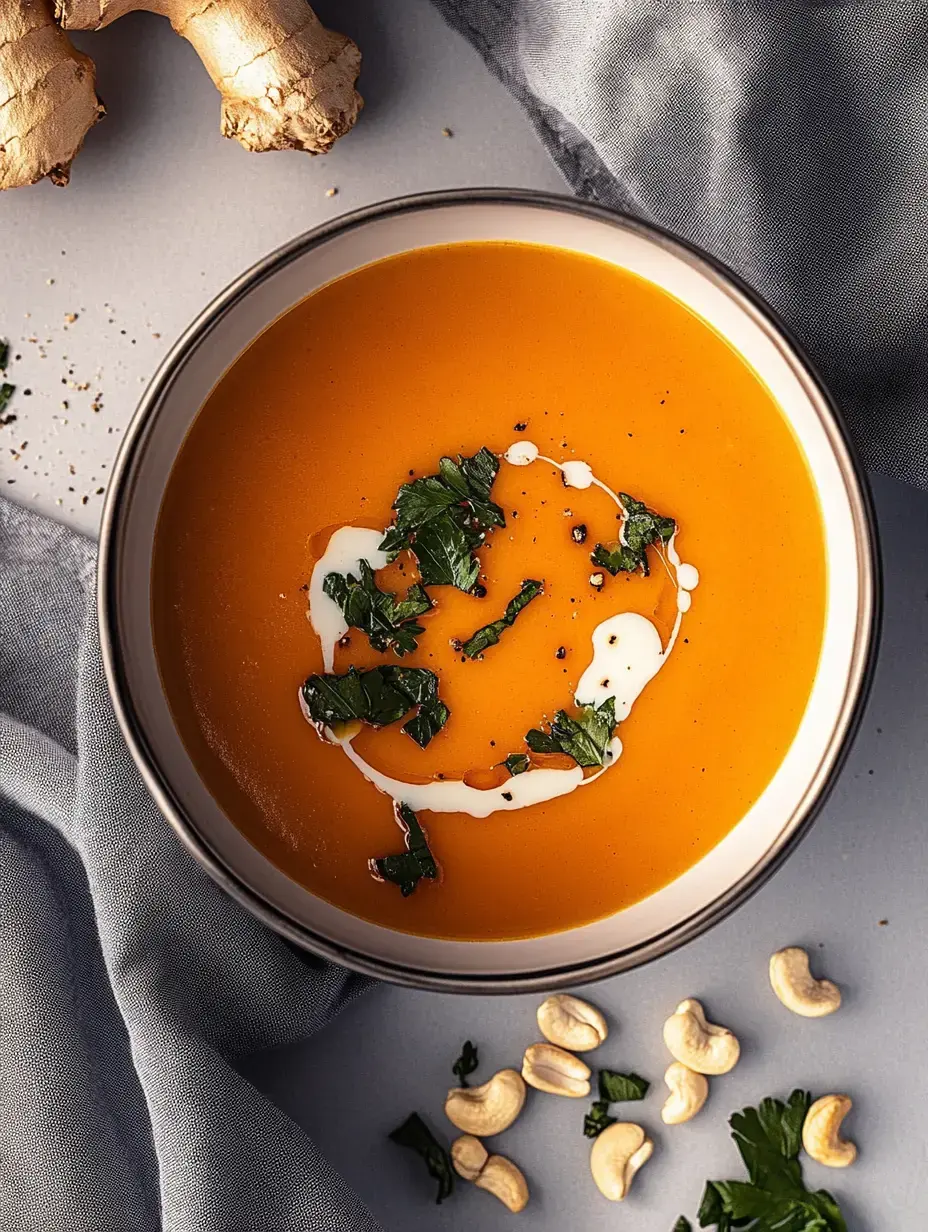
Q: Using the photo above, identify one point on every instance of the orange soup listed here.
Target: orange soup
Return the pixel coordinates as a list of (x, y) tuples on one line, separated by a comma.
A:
[(491, 352)]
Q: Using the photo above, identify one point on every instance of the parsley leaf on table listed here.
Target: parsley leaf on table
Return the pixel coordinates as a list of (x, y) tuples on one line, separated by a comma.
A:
[(585, 738), (775, 1198), (466, 1063), (387, 621), (597, 1119), (490, 634), (444, 518), (416, 1136), (642, 528), (409, 867), (380, 696), (614, 1088), (620, 1088)]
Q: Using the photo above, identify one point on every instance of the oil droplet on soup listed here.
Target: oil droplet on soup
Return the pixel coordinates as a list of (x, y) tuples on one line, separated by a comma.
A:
[(369, 382)]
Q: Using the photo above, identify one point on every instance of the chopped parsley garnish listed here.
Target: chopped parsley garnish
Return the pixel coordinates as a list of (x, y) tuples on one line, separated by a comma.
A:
[(683, 1225), (388, 622), (775, 1197), (618, 1088), (490, 634), (614, 1088), (4, 354), (585, 738), (466, 1063), (416, 1136), (598, 1119), (642, 528), (444, 518), (407, 869), (517, 763), (380, 696)]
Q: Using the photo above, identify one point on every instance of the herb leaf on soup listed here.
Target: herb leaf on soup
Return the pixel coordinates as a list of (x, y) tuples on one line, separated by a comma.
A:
[(490, 634), (444, 550), (408, 868), (642, 529), (387, 621), (379, 696), (775, 1197), (683, 1225), (618, 1088), (416, 1136), (584, 738), (517, 763), (444, 518), (466, 1063)]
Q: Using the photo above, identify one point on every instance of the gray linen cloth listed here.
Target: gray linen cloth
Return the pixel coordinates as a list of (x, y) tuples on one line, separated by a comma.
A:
[(787, 137), (129, 983)]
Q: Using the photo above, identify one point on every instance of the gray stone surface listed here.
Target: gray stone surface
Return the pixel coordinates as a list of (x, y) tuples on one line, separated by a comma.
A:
[(160, 215)]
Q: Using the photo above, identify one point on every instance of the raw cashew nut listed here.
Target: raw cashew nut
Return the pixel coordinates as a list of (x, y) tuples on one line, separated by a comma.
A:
[(798, 989), (549, 1068), (494, 1173), (698, 1044), (688, 1093), (468, 1154), (617, 1154), (487, 1109), (571, 1023), (821, 1132)]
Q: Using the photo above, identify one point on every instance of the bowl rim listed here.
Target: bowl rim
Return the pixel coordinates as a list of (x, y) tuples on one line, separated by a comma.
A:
[(858, 685)]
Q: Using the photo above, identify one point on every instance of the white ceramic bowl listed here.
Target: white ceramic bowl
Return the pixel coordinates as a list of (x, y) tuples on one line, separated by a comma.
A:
[(723, 878)]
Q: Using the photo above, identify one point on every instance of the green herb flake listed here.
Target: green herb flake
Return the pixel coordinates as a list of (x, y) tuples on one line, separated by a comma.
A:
[(517, 763), (444, 518), (490, 634), (4, 354), (585, 738), (380, 696), (775, 1198), (618, 1088), (641, 530), (683, 1225), (408, 868), (466, 1063), (597, 1119), (6, 393), (416, 1136), (388, 623), (444, 550)]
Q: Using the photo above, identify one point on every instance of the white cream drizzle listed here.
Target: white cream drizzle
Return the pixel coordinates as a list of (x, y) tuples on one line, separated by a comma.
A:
[(627, 654), (347, 546)]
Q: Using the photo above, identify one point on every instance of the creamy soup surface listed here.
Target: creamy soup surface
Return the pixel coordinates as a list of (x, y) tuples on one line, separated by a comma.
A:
[(516, 349)]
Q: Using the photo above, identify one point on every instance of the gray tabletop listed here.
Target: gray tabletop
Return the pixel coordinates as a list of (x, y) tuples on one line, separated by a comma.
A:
[(97, 281)]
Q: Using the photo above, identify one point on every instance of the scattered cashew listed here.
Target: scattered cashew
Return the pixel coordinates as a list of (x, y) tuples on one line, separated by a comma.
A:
[(571, 1023), (487, 1109), (617, 1154), (549, 1068), (468, 1154), (798, 989), (700, 1045), (821, 1134), (688, 1093), (494, 1173)]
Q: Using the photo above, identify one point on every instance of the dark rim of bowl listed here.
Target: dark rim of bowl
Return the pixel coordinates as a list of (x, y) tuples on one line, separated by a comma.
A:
[(857, 689)]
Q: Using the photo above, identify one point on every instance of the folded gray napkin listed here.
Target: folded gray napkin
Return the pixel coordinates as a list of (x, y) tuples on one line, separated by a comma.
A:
[(129, 983), (787, 137)]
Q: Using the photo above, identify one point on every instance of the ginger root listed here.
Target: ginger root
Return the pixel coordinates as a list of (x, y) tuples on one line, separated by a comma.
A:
[(286, 81), (48, 99)]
